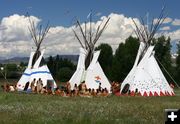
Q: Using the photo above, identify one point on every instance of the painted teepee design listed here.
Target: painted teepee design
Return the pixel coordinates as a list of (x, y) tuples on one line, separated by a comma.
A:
[(36, 66), (146, 77), (88, 68)]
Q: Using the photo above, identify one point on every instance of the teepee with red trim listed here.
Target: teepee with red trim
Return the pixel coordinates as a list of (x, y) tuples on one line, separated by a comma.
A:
[(146, 77)]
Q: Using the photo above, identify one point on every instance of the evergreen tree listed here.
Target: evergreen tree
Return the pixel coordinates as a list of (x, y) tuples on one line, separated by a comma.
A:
[(124, 59), (64, 74), (50, 65), (105, 58), (178, 64), (57, 64), (163, 55), (61, 69)]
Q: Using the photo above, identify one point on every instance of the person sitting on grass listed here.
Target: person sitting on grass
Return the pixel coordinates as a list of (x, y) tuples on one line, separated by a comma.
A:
[(86, 93), (44, 90), (76, 90), (63, 94), (104, 92), (136, 92), (49, 91), (15, 87), (115, 87), (50, 88), (83, 87), (89, 91), (93, 93), (129, 92), (11, 88), (57, 91), (98, 93), (80, 87), (72, 93)]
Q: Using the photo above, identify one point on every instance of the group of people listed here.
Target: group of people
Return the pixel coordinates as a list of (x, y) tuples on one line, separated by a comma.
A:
[(82, 90), (8, 87), (36, 86)]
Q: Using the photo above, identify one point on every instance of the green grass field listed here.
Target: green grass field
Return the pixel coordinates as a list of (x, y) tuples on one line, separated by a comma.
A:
[(20, 108)]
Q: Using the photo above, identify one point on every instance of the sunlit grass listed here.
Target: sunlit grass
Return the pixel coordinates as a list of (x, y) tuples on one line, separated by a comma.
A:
[(32, 108)]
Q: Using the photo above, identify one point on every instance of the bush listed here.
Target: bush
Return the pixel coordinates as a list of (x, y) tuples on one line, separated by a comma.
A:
[(64, 74)]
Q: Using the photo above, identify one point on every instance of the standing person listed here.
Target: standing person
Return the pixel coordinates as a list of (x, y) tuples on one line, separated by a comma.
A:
[(52, 88), (68, 88), (26, 86), (33, 85), (39, 85), (100, 88)]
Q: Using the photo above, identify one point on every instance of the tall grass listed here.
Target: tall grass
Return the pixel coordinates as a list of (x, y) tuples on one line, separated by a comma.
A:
[(19, 108)]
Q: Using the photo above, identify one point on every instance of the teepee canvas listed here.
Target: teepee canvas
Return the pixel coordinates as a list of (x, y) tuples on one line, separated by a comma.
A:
[(146, 77), (36, 69), (88, 68)]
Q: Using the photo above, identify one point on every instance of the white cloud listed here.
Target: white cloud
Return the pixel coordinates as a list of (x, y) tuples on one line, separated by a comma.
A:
[(16, 41), (60, 40), (14, 36), (16, 27), (98, 14), (166, 20), (176, 22), (175, 35), (166, 28)]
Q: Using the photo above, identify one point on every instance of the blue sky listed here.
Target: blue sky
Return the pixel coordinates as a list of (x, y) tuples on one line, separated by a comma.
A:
[(61, 14)]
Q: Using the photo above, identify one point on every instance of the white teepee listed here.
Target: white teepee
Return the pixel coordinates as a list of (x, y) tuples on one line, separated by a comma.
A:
[(88, 68), (92, 76), (146, 77), (36, 67)]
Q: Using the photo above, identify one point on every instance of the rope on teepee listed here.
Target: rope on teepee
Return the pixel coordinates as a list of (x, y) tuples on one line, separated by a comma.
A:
[(167, 72)]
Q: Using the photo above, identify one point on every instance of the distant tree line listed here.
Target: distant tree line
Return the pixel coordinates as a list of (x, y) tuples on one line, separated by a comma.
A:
[(116, 66)]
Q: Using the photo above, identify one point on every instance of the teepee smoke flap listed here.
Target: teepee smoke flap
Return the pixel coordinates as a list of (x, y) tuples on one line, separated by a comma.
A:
[(89, 38)]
